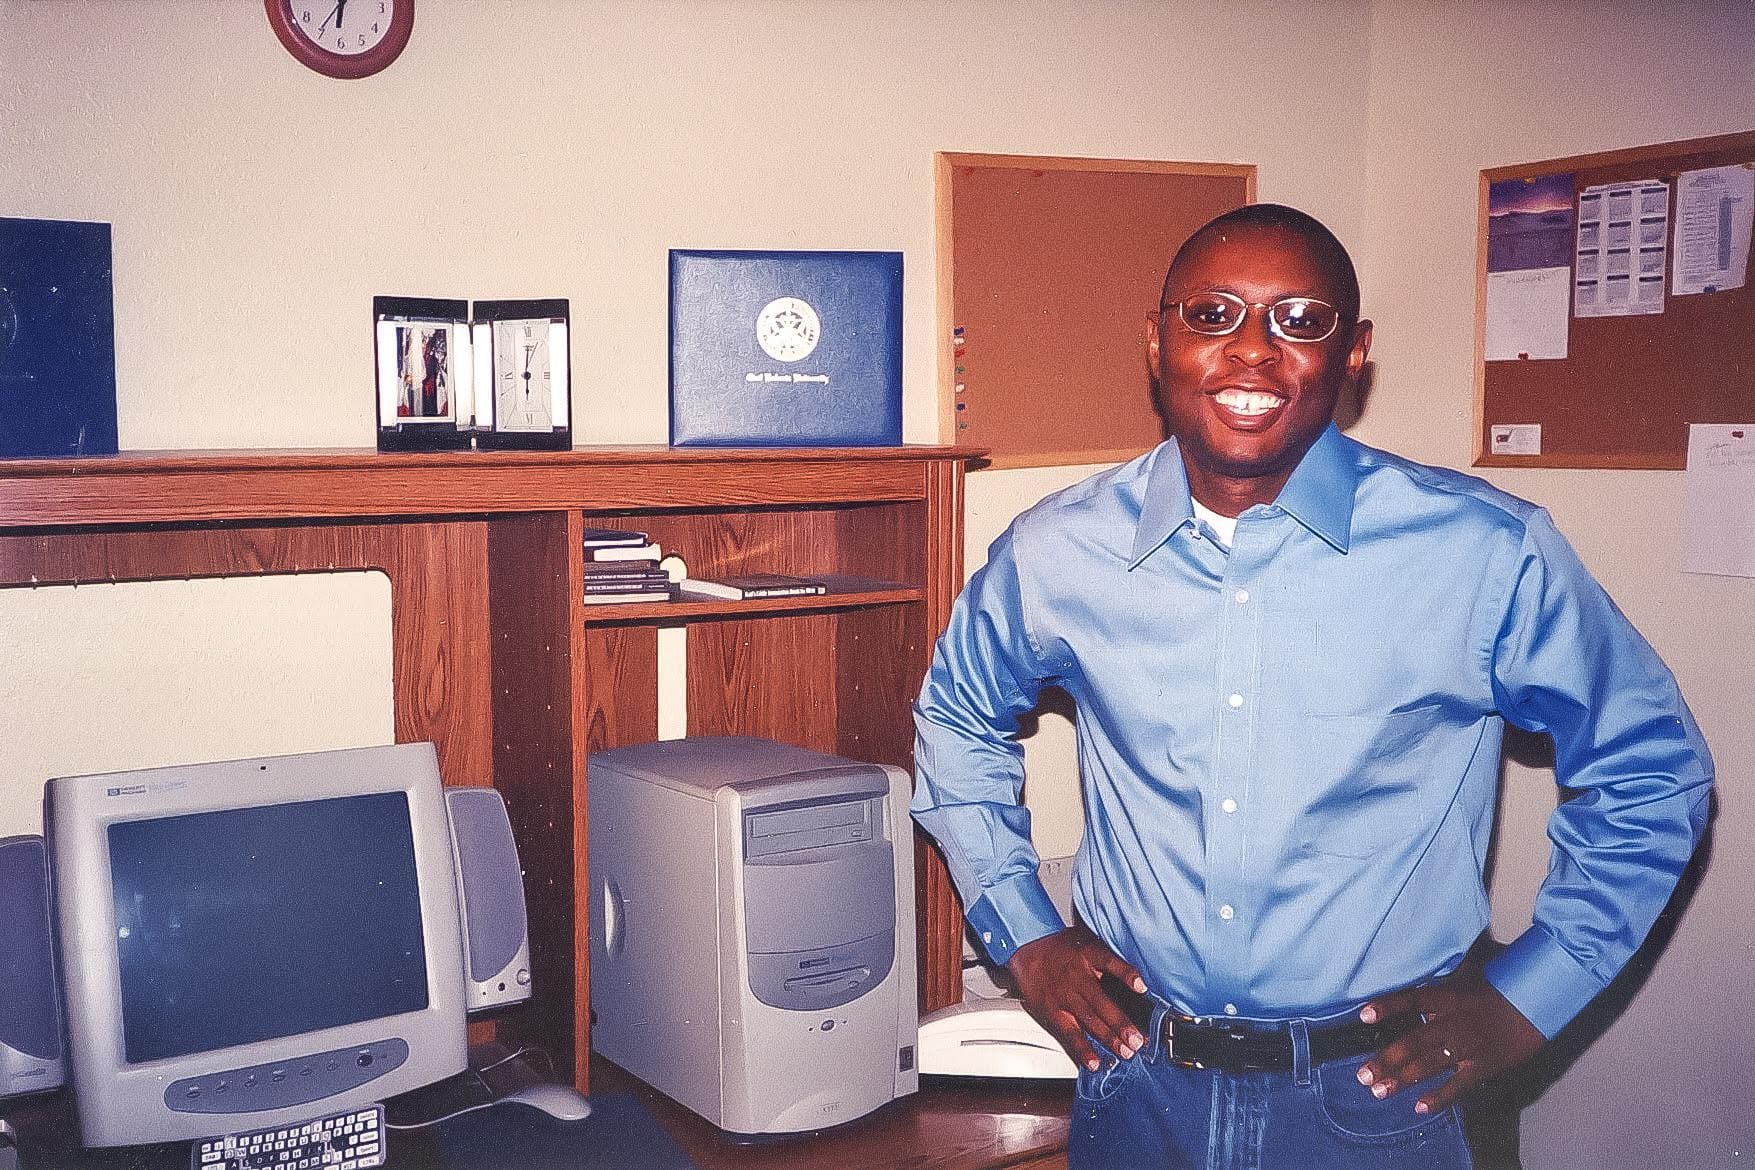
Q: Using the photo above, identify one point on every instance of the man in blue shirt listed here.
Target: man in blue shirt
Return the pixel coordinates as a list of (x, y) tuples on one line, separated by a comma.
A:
[(1293, 657)]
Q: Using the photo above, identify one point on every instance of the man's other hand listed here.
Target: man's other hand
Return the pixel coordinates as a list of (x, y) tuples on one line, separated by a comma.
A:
[(1466, 1025), (1057, 977)]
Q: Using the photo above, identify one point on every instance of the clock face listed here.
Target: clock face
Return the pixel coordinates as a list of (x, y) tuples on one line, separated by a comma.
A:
[(343, 38), (348, 27), (523, 376)]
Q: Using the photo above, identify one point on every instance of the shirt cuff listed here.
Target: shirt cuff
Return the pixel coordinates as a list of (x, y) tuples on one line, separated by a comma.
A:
[(1542, 980), (1015, 912)]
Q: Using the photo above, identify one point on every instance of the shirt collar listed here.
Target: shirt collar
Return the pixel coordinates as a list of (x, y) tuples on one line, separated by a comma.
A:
[(1319, 495), (1166, 507)]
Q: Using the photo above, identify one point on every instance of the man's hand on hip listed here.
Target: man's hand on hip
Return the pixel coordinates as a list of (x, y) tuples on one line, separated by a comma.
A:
[(1057, 977), (1465, 1025)]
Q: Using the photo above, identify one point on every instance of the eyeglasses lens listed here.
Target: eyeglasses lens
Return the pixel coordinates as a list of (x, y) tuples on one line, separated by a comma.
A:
[(1212, 313), (1302, 320)]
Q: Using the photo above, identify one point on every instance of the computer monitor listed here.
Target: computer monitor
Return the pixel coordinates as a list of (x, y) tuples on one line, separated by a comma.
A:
[(254, 943)]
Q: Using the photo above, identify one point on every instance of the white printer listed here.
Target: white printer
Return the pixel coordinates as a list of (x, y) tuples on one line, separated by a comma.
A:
[(752, 929)]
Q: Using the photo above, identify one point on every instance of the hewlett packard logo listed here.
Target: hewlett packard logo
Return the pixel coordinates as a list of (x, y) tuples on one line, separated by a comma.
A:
[(787, 329)]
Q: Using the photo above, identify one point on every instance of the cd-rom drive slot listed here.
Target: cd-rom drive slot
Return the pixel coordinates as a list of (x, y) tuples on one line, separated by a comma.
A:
[(810, 826)]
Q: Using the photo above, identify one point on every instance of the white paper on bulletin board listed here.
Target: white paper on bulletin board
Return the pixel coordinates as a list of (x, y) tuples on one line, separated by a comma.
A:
[(1527, 314), (1714, 210), (1718, 500)]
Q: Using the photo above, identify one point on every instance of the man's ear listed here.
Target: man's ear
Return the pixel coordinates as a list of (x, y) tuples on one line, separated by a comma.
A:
[(1152, 339), (1361, 349)]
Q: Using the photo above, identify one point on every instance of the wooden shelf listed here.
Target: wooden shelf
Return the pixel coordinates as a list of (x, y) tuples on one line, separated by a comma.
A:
[(844, 593), (497, 659)]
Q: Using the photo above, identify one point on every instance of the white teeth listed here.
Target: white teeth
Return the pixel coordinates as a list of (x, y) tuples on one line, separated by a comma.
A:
[(1248, 402)]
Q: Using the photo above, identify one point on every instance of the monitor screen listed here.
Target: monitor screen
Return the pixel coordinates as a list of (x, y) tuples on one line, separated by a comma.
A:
[(257, 923)]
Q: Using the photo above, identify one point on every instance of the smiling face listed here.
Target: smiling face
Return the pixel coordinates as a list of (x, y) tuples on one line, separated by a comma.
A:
[(1246, 406)]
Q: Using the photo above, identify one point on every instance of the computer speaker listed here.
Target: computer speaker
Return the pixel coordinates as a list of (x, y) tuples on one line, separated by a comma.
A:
[(32, 1054), (490, 887)]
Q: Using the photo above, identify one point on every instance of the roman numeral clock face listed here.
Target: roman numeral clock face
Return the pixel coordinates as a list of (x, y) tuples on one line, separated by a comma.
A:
[(343, 38), (523, 376)]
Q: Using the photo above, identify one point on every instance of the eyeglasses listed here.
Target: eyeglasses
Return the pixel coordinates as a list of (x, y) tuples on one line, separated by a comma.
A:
[(1299, 319)]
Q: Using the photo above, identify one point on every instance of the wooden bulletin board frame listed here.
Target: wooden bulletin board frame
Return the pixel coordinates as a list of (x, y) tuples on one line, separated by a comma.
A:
[(1627, 390), (1050, 265)]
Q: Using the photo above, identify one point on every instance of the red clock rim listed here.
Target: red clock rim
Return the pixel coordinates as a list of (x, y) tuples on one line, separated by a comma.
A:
[(344, 66)]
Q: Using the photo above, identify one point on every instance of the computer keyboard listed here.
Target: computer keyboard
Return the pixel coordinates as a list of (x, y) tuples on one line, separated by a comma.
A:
[(345, 1141)]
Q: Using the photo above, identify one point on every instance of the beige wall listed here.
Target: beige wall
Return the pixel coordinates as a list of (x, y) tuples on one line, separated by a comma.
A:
[(546, 147), (140, 674), (559, 147), (1457, 88)]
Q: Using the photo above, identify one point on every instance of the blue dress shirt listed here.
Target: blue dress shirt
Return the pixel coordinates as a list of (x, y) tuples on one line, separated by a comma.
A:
[(1290, 748)]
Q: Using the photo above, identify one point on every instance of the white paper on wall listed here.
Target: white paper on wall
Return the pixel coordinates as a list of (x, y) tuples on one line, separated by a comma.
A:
[(1718, 500)]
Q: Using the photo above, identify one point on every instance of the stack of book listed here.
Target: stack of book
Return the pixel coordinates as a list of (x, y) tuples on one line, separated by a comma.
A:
[(623, 566)]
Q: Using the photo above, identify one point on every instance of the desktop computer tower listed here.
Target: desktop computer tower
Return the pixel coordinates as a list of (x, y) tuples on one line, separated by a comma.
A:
[(752, 929)]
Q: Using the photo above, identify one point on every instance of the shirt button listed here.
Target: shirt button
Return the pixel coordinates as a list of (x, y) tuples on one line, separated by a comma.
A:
[(1226, 912), (1229, 805), (1230, 1009), (1235, 701), (1242, 596)]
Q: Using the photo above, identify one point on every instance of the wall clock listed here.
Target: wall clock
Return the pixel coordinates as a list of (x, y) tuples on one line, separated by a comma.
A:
[(343, 38)]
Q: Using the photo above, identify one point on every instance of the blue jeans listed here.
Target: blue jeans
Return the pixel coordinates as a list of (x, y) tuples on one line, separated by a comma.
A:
[(1149, 1113)]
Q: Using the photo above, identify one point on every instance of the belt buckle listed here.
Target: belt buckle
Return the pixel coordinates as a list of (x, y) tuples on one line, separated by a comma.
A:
[(1223, 1035), (1169, 1040)]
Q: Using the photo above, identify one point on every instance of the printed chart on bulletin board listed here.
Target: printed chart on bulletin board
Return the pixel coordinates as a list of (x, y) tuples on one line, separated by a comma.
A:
[(1048, 268), (1614, 304)]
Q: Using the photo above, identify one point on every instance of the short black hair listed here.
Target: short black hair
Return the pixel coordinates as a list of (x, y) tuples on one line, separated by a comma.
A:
[(1331, 254)]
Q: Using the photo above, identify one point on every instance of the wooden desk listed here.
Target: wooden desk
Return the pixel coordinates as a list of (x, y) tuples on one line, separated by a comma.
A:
[(950, 1124), (498, 660)]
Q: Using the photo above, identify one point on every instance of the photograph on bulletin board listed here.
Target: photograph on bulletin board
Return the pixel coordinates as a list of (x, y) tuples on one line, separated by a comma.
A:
[(1529, 267)]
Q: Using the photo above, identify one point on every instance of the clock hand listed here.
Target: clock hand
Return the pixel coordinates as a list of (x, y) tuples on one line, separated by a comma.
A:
[(340, 11), (334, 14)]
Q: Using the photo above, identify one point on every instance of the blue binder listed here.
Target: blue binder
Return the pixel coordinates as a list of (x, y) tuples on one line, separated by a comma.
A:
[(784, 349), (57, 339)]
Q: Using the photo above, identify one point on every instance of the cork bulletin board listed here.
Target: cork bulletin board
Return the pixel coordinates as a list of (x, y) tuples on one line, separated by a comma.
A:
[(1047, 268), (1629, 385)]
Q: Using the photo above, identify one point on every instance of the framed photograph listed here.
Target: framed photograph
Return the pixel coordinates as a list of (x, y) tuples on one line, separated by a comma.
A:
[(425, 376), (523, 375)]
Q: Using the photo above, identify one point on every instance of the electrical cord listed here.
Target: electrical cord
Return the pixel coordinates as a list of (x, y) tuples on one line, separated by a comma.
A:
[(480, 1074)]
